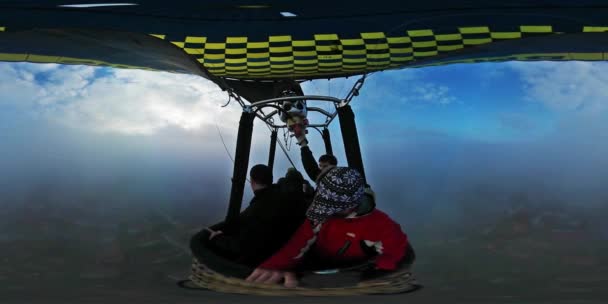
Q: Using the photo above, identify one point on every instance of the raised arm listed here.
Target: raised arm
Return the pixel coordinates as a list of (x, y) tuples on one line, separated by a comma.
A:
[(310, 164)]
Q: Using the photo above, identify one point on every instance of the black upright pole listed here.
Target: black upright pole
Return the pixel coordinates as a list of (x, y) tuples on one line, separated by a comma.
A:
[(273, 149), (327, 141), (351, 138), (241, 162)]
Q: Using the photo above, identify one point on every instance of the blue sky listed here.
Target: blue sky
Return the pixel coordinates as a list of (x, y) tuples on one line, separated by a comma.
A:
[(431, 132), (488, 102)]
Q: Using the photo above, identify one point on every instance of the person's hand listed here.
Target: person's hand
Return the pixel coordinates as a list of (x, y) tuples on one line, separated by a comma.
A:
[(268, 276), (290, 280)]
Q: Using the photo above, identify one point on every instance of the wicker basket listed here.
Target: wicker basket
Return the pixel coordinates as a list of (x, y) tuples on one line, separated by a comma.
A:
[(202, 277)]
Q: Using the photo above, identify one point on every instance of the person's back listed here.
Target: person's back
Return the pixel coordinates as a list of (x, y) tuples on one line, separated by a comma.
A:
[(264, 226), (298, 190), (267, 224)]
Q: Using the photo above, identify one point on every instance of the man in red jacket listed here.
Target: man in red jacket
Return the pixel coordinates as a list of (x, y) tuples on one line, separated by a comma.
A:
[(339, 233)]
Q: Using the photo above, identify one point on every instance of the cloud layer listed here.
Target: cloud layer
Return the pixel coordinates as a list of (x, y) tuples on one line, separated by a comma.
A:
[(157, 131), (115, 101), (580, 86)]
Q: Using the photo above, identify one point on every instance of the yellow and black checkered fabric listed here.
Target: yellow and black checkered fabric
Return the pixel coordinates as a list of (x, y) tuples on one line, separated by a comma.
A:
[(329, 54)]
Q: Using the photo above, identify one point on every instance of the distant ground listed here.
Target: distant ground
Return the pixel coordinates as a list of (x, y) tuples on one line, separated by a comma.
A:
[(524, 257)]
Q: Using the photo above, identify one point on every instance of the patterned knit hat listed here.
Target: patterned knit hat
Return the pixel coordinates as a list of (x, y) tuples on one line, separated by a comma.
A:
[(338, 190)]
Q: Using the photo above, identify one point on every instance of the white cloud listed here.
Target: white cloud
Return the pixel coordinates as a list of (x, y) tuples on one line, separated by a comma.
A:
[(566, 86), (16, 86), (122, 101), (383, 91), (431, 93)]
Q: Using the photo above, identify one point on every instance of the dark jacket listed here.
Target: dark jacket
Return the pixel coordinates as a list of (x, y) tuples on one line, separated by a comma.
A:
[(293, 185), (310, 163), (263, 227)]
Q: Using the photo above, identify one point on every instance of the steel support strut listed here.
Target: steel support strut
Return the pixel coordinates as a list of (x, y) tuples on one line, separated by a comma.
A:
[(273, 148), (327, 141), (351, 139), (241, 163)]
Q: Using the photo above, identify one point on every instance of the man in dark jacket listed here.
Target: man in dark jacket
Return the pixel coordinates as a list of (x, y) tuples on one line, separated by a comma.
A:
[(261, 229), (326, 162), (310, 164)]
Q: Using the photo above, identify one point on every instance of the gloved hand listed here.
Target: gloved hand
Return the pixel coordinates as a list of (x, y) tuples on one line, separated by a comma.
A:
[(297, 125), (302, 141)]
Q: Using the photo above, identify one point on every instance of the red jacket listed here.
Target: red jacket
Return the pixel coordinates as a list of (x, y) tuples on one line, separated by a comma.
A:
[(376, 229)]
